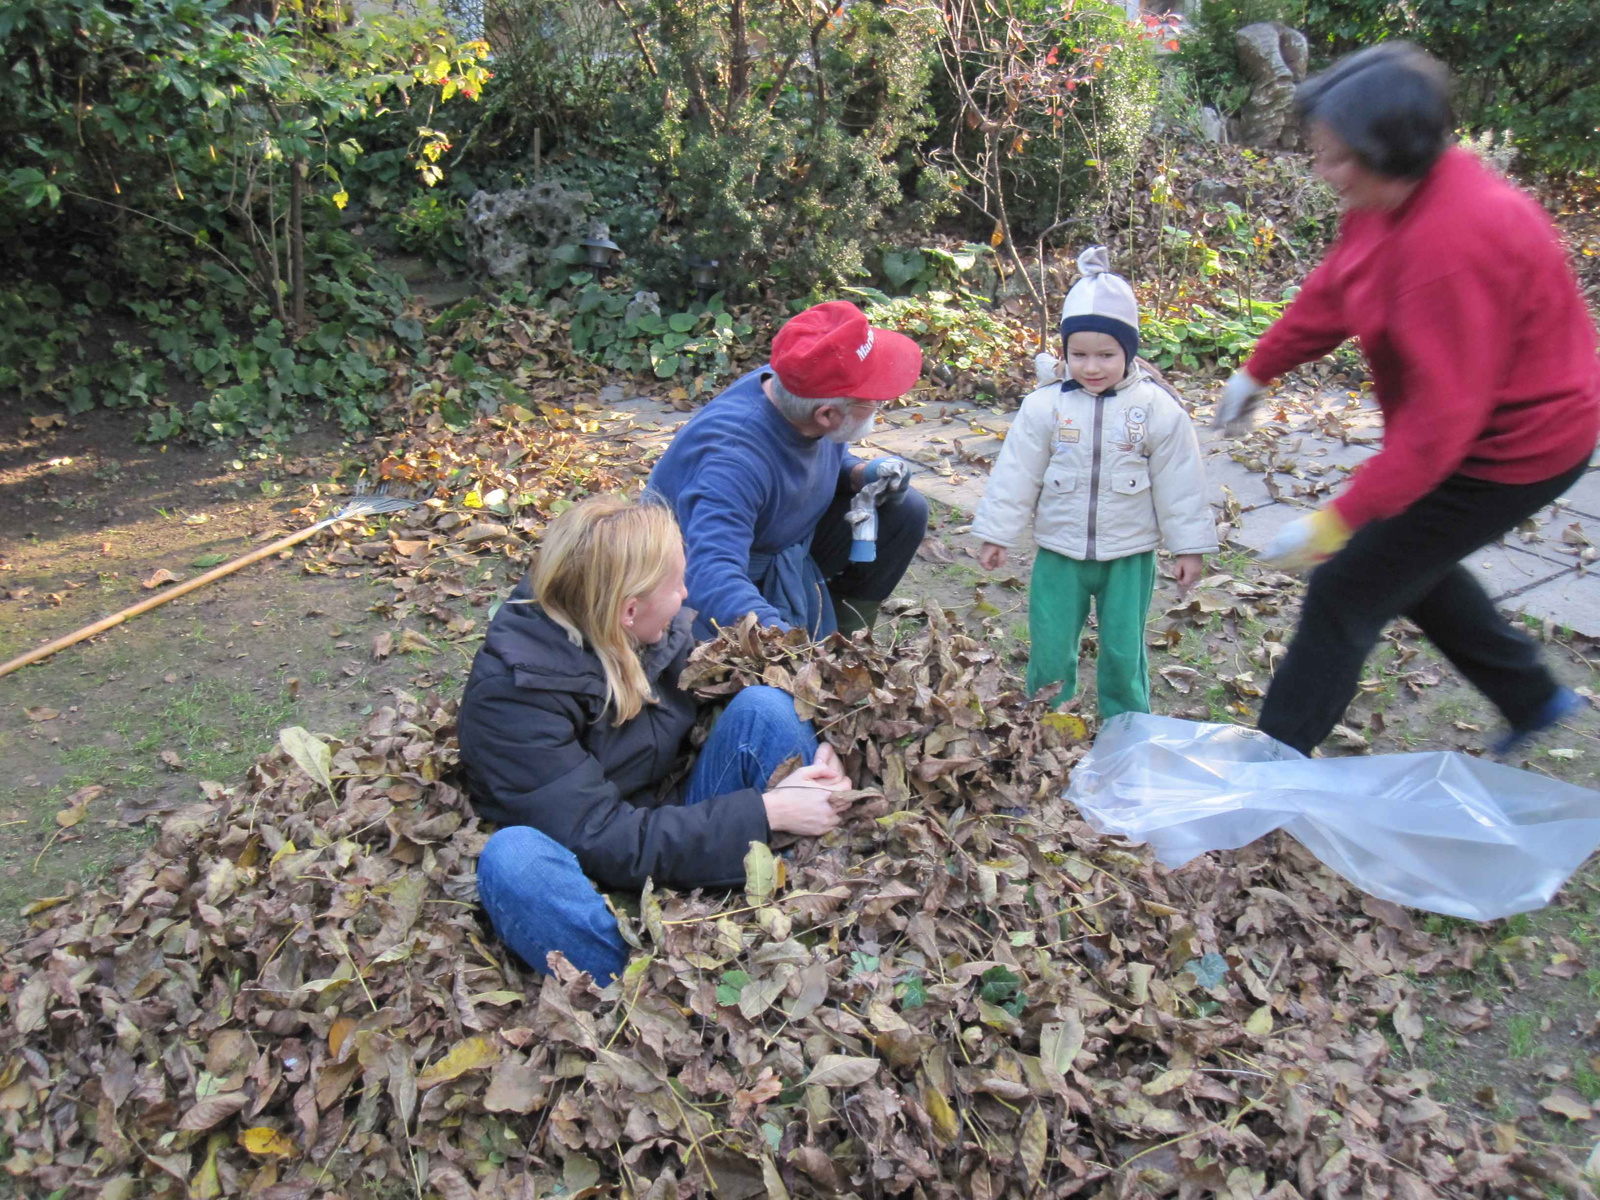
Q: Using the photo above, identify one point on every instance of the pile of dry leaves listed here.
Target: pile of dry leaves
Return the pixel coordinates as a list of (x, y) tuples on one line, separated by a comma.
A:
[(961, 993), (486, 494)]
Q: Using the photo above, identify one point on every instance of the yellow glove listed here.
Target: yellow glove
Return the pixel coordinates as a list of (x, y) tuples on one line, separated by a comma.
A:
[(1303, 543)]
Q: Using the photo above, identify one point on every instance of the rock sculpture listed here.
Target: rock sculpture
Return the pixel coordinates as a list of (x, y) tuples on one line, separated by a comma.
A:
[(1273, 58), (509, 234)]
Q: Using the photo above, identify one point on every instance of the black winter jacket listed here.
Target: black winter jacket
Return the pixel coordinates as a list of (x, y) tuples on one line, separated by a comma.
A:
[(540, 748)]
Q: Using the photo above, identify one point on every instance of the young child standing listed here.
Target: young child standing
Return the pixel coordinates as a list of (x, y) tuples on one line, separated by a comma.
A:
[(1106, 465)]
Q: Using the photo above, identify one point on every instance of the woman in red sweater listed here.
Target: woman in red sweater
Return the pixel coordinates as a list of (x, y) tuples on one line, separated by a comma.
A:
[(1483, 360)]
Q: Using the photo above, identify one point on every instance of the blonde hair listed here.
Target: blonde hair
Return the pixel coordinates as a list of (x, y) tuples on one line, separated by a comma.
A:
[(593, 559)]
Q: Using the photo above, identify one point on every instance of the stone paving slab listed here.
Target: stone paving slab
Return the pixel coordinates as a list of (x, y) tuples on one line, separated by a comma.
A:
[(960, 490), (1571, 600), (1248, 487), (904, 441), (1583, 498), (1261, 524), (1323, 458), (1508, 571)]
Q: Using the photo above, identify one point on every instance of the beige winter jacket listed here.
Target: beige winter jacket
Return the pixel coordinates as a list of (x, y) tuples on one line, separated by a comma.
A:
[(1102, 477)]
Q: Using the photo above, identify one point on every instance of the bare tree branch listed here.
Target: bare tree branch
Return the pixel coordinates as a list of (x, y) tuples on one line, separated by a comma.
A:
[(638, 38)]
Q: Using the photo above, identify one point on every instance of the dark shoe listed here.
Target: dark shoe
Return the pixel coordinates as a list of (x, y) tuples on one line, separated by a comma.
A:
[(855, 615), (1558, 708)]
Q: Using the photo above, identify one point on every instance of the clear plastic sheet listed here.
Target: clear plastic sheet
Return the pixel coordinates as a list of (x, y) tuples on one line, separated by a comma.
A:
[(1440, 830)]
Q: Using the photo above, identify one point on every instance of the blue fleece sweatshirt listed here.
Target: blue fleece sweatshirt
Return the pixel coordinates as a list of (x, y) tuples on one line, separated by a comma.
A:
[(744, 481)]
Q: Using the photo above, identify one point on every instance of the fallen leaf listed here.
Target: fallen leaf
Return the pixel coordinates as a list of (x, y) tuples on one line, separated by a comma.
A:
[(473, 1054), (160, 577), (212, 1111), (1260, 1022), (1034, 1143), (311, 754), (412, 642), (31, 1004), (483, 532), (578, 1172), (841, 1070), (1568, 1104), (42, 714), (1408, 1024), (42, 904), (515, 1086), (267, 1143)]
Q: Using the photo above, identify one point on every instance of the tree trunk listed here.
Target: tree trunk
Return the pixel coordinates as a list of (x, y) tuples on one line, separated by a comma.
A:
[(297, 243), (739, 67)]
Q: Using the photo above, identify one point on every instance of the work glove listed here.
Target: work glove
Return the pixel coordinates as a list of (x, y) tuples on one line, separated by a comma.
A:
[(895, 470), (1303, 543), (1240, 395), (1046, 368)]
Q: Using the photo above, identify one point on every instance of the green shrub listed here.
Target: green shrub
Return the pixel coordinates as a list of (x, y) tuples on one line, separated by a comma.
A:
[(557, 66), (257, 382), (955, 330), (783, 145), (1196, 335), (917, 271), (174, 161), (1533, 69), (1043, 109), (430, 224)]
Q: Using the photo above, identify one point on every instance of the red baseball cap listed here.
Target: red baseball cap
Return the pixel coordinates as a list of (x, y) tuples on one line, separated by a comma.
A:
[(830, 351)]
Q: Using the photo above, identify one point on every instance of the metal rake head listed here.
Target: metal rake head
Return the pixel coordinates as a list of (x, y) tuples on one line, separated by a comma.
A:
[(367, 501)]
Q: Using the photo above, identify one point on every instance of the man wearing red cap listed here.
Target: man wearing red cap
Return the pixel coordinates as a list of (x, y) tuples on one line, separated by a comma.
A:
[(761, 481)]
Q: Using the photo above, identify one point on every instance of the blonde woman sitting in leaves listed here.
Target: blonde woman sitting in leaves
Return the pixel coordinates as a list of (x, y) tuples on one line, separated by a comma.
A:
[(573, 723)]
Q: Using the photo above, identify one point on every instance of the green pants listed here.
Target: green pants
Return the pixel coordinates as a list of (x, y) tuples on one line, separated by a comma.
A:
[(1058, 607)]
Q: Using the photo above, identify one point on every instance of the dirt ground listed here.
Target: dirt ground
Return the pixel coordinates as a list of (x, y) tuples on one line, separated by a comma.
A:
[(136, 721), (192, 691)]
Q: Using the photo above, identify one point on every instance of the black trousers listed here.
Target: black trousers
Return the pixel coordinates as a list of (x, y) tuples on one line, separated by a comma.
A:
[(902, 523), (1410, 565)]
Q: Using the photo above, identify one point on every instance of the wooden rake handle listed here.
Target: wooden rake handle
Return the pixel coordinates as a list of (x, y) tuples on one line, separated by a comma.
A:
[(160, 598)]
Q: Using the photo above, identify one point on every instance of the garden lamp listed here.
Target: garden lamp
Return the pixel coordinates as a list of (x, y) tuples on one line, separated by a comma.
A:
[(703, 275), (604, 254)]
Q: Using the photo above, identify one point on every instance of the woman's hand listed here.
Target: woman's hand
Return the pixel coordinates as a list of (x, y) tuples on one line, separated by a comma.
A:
[(1186, 570), (828, 758), (1303, 543), (1240, 396), (992, 557), (804, 800)]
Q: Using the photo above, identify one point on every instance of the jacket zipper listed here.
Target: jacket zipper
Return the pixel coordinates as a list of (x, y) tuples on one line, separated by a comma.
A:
[(1094, 476)]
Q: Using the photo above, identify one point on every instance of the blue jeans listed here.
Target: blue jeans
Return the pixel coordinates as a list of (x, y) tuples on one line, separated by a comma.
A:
[(537, 896)]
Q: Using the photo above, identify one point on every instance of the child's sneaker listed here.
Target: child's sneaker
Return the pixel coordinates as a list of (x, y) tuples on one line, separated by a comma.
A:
[(1558, 708)]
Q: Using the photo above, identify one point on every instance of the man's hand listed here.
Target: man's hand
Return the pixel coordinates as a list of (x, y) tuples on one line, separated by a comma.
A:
[(878, 468), (1186, 570), (1302, 544), (1240, 395), (992, 557)]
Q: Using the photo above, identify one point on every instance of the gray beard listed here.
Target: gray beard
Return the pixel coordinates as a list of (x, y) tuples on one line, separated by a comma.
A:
[(856, 429)]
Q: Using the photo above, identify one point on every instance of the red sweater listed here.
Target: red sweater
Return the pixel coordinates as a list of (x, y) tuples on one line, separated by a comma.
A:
[(1481, 349)]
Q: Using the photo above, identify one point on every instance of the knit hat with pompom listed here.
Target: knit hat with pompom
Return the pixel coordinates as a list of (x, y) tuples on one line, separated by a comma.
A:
[(1101, 302)]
